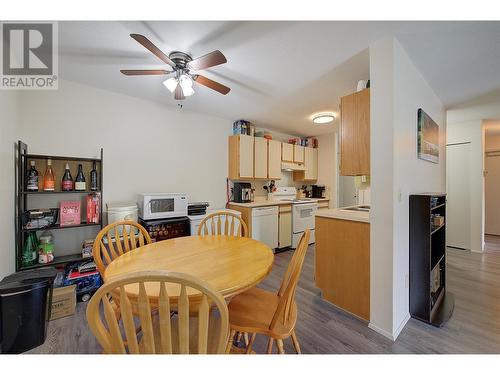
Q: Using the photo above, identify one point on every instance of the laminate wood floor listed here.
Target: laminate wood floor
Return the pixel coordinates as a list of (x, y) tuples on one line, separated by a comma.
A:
[(321, 328)]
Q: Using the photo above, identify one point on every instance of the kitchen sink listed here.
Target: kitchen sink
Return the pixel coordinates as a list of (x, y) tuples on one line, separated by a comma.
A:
[(358, 208)]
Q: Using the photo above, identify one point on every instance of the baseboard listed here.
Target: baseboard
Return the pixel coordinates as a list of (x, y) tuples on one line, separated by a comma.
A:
[(383, 332), (391, 336), (401, 326)]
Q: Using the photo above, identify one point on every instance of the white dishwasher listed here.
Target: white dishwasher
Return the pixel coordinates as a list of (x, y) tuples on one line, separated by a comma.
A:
[(265, 225)]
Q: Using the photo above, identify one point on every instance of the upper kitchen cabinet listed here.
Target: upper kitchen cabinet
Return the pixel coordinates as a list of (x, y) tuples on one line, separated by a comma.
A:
[(310, 172), (274, 160), (241, 157), (298, 154), (355, 134), (260, 158), (254, 158), (287, 152)]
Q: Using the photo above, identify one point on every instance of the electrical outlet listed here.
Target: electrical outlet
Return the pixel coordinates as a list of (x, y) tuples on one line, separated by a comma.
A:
[(400, 195), (407, 281)]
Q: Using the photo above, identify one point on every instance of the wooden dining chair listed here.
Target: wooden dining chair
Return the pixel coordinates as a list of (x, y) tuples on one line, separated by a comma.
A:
[(116, 239), (162, 332), (258, 311), (223, 223)]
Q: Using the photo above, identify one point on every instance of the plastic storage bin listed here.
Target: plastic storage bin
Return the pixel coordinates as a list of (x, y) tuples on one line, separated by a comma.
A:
[(25, 301), (118, 211)]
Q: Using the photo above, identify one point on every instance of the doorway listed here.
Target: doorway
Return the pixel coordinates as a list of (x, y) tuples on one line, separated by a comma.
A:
[(458, 157), (492, 184)]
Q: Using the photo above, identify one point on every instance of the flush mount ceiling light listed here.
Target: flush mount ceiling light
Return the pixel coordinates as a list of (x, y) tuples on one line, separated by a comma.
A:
[(323, 118)]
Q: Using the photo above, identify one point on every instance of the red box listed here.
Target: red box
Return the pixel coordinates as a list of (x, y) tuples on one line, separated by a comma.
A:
[(93, 208), (70, 213)]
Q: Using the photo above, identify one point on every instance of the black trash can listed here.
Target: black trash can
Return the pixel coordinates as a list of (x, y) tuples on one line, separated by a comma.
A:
[(25, 301)]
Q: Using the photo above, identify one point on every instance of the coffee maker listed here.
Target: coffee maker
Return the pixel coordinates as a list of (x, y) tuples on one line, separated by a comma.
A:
[(242, 192), (318, 191)]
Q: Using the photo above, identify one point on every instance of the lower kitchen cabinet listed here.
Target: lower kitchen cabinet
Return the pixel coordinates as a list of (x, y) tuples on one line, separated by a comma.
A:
[(342, 264), (285, 226)]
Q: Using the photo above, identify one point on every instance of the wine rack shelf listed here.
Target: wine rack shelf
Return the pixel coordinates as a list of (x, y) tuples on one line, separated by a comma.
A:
[(23, 202)]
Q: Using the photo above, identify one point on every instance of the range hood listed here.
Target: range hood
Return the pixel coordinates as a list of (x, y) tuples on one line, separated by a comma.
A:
[(287, 166)]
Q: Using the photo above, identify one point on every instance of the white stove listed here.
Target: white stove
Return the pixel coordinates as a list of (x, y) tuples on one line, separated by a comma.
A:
[(303, 212)]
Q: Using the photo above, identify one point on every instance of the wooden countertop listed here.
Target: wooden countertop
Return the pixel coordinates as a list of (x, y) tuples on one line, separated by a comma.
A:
[(273, 202)]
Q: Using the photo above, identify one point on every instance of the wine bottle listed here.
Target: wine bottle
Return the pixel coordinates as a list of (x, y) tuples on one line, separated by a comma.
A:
[(32, 178), (67, 180), (49, 181), (80, 184), (93, 178), (30, 250)]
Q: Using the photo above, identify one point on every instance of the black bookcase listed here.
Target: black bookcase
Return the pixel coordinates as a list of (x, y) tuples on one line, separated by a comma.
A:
[(23, 200), (429, 299)]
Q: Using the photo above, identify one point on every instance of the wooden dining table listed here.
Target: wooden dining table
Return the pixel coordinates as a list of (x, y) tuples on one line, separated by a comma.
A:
[(229, 264)]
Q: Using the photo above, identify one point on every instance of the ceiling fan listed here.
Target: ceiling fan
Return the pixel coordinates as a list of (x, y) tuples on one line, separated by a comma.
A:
[(182, 65)]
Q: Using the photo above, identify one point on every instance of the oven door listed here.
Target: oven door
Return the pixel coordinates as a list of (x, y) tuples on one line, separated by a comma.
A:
[(303, 216), (164, 206)]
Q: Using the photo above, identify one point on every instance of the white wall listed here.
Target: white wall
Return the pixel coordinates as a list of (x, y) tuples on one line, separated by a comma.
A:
[(147, 147), (398, 91), (9, 109), (327, 165), (382, 185), (472, 131)]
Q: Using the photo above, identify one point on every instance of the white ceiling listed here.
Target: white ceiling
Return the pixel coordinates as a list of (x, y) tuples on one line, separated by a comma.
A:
[(280, 73)]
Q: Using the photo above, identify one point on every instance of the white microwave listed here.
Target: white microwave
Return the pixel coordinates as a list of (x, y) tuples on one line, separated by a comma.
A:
[(162, 205)]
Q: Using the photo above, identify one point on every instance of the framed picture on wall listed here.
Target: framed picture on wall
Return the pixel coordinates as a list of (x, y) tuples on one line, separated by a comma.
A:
[(428, 138)]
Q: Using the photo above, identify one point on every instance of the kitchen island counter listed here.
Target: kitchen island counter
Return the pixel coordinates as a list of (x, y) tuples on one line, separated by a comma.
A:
[(343, 214)]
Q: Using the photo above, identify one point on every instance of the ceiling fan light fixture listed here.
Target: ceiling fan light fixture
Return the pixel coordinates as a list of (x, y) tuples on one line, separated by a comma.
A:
[(185, 81), (187, 91), (171, 84), (323, 118)]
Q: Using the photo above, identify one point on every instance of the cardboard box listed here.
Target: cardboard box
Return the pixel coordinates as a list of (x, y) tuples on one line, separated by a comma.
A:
[(63, 302)]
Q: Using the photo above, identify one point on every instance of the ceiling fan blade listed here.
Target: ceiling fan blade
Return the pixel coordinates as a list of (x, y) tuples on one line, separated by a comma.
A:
[(153, 49), (145, 72), (212, 84), (206, 61), (179, 95)]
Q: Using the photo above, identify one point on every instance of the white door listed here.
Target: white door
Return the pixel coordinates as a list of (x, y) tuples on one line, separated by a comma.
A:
[(458, 214), (348, 193), (491, 194)]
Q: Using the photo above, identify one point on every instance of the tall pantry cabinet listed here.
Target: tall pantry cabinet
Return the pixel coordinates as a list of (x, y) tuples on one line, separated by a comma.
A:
[(355, 134)]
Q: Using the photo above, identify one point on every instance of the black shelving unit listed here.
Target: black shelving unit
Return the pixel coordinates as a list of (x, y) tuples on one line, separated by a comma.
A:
[(429, 299), (22, 197)]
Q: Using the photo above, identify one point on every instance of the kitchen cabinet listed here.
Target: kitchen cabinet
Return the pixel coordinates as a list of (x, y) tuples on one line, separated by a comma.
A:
[(310, 172), (298, 154), (274, 160), (285, 226), (355, 134), (342, 264), (287, 152), (254, 158), (260, 158), (241, 157)]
